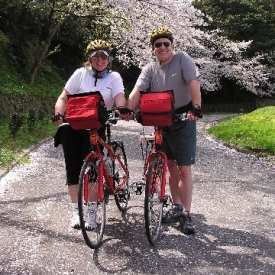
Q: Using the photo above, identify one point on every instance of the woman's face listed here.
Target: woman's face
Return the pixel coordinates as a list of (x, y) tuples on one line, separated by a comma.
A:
[(163, 49), (99, 60)]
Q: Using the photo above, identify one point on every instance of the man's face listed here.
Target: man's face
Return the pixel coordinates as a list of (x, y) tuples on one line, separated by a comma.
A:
[(162, 49)]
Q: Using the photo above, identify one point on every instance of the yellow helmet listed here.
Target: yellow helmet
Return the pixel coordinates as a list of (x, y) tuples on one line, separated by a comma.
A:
[(160, 33), (97, 45)]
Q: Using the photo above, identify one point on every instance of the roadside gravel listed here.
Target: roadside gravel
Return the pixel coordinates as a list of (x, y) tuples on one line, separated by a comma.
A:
[(233, 210)]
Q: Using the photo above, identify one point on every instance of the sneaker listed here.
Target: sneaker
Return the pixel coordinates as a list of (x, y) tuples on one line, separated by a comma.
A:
[(173, 215), (75, 223), (90, 223), (188, 227)]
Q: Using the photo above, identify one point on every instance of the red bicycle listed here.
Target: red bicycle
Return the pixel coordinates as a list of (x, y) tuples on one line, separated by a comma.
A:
[(104, 173), (154, 181)]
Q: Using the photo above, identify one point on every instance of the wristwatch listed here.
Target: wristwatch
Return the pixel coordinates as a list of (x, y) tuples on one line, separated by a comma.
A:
[(196, 107)]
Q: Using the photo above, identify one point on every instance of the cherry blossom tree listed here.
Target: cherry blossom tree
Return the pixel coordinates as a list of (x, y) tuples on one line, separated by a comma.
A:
[(131, 21), (216, 56)]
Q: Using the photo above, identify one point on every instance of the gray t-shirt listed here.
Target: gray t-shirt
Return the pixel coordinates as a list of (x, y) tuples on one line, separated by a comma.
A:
[(173, 76)]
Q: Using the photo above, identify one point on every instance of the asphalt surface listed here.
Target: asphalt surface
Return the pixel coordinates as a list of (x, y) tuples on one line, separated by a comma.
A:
[(233, 210)]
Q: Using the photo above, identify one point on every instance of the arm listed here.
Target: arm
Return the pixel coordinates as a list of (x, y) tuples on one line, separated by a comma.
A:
[(60, 105), (196, 100), (131, 104), (195, 92), (120, 100), (134, 98)]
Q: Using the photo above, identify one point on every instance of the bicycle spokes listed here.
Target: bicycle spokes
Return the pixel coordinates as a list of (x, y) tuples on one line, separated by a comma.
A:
[(153, 205), (120, 179), (92, 213)]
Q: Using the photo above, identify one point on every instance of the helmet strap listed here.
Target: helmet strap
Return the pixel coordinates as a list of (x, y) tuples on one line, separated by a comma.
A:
[(98, 74)]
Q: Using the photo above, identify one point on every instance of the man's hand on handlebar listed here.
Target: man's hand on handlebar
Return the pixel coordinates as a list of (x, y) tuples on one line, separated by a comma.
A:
[(195, 113)]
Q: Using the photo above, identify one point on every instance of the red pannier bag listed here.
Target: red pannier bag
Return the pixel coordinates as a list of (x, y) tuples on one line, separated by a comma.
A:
[(157, 108), (86, 111)]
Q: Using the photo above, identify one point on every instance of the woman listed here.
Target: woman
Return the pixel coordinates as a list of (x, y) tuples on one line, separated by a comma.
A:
[(95, 75)]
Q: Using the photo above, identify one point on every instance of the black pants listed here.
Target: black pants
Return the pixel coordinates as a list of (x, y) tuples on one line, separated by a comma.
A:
[(76, 146)]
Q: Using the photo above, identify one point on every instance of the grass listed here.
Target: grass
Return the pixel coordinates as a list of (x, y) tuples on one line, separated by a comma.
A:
[(254, 132), (47, 83), (11, 148)]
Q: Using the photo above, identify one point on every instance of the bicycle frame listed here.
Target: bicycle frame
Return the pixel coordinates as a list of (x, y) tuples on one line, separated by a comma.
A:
[(96, 154), (158, 137), (154, 183)]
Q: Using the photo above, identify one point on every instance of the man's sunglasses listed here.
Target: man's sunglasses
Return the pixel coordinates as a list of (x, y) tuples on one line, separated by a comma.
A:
[(159, 44)]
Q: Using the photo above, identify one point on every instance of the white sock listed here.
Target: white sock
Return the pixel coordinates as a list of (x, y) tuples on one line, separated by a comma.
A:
[(75, 205)]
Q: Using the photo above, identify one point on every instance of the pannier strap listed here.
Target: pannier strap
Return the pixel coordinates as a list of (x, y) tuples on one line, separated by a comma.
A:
[(184, 109)]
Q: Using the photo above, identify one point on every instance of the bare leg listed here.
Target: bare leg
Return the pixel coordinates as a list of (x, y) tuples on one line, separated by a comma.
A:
[(185, 187), (92, 192), (73, 192), (181, 184), (174, 179)]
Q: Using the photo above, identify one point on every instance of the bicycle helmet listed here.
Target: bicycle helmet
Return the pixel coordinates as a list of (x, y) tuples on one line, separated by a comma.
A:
[(160, 33), (97, 45)]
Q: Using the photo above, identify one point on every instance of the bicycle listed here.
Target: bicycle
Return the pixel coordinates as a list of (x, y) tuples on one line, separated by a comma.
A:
[(154, 181), (104, 179)]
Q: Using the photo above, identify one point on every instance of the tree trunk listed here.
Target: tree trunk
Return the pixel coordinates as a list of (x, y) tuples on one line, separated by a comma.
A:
[(40, 58)]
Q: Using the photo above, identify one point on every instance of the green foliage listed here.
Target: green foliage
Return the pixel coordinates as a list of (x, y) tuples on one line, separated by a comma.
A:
[(25, 127), (15, 123), (47, 83), (242, 20), (50, 31), (4, 41), (253, 131), (11, 148)]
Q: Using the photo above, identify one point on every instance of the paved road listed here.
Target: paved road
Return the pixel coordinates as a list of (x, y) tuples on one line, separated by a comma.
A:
[(233, 206)]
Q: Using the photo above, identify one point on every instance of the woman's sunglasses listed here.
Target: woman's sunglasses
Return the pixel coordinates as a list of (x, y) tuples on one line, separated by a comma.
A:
[(159, 44), (102, 56)]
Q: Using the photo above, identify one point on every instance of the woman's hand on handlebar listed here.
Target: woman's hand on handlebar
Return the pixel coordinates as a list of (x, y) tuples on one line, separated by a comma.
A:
[(58, 119), (124, 113)]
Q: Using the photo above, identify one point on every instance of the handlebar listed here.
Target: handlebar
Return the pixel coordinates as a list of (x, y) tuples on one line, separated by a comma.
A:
[(113, 118), (181, 117)]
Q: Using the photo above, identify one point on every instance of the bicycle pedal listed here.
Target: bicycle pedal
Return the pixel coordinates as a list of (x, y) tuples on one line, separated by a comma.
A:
[(138, 187), (123, 195), (167, 200)]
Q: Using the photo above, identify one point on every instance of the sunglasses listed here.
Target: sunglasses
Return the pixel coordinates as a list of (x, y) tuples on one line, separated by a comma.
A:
[(159, 44), (102, 56)]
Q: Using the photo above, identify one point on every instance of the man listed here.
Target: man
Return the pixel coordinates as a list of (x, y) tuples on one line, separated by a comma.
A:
[(177, 72)]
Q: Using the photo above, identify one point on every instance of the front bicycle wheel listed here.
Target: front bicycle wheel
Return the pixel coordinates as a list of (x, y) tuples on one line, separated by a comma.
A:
[(91, 213), (153, 206), (122, 195)]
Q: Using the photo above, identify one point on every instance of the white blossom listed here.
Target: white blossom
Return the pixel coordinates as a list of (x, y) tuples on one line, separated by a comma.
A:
[(216, 56)]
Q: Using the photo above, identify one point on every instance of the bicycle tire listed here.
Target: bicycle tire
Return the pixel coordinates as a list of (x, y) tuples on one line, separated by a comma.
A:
[(153, 206), (122, 195), (93, 238)]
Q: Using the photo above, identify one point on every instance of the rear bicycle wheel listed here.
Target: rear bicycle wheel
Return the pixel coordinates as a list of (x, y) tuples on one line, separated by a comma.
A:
[(122, 195), (152, 204), (88, 183)]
